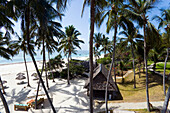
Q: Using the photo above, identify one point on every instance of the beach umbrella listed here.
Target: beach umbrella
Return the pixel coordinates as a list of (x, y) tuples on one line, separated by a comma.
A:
[(4, 81), (20, 74), (20, 77), (34, 74)]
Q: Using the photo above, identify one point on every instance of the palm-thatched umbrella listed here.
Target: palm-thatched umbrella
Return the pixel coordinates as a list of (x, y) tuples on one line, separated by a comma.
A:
[(20, 74), (20, 77)]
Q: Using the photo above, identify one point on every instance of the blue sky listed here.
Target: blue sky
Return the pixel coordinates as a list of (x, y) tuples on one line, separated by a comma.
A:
[(73, 17)]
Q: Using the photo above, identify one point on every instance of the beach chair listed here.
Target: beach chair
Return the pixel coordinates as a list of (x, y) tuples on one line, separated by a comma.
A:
[(21, 107), (39, 101), (30, 102)]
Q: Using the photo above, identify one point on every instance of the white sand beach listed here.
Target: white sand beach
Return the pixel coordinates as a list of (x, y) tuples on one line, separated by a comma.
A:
[(65, 98)]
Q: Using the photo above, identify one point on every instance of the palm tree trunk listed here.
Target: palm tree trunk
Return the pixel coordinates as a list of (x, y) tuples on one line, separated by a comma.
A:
[(68, 73), (133, 66), (166, 102), (110, 70), (2, 86), (4, 102), (146, 69), (38, 86), (50, 66), (92, 15), (139, 69), (26, 69), (164, 88), (32, 56), (46, 73)]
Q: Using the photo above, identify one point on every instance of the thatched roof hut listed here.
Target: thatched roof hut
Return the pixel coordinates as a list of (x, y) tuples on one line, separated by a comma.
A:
[(100, 74)]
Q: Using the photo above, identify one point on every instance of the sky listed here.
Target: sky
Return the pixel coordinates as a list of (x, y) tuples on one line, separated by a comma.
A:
[(82, 24)]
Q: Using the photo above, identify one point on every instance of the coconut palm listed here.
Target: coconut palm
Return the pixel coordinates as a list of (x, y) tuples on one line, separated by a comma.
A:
[(139, 52), (68, 43), (95, 6), (40, 12), (6, 12), (137, 11), (5, 52), (21, 45), (53, 31), (164, 20), (131, 35), (115, 19), (106, 44), (97, 39), (56, 62)]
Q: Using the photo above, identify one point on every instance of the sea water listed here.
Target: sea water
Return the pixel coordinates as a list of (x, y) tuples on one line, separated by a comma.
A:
[(39, 57)]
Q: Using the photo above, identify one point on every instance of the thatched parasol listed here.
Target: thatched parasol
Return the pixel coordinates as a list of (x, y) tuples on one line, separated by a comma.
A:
[(20, 74), (20, 77)]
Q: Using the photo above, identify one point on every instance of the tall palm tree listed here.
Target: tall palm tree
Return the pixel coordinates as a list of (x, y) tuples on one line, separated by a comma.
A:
[(5, 52), (131, 35), (106, 44), (115, 19), (6, 12), (164, 23), (36, 11), (95, 6), (52, 31), (68, 43), (139, 52), (97, 39), (21, 45), (137, 11)]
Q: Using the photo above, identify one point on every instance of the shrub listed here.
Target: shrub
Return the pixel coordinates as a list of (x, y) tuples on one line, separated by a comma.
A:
[(76, 69), (55, 74), (105, 60)]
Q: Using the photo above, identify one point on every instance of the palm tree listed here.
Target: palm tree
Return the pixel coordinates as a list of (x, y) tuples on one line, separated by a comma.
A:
[(95, 7), (164, 23), (115, 19), (52, 31), (5, 52), (139, 52), (132, 34), (137, 11), (97, 39), (56, 62), (33, 11), (6, 12), (68, 43), (21, 45), (106, 44)]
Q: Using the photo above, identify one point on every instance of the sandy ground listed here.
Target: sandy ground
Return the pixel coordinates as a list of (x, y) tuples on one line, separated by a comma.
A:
[(65, 98)]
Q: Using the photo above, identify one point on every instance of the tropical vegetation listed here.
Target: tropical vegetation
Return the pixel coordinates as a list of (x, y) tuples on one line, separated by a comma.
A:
[(136, 42)]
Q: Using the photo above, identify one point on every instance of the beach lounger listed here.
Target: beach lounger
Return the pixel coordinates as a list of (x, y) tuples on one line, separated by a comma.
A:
[(39, 101), (30, 102), (21, 107)]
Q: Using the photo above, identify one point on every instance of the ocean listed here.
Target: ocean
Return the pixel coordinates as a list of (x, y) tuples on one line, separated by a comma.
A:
[(19, 58)]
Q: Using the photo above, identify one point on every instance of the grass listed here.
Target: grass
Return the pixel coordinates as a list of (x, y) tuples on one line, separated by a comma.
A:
[(136, 110), (139, 94), (150, 62), (160, 67), (141, 110)]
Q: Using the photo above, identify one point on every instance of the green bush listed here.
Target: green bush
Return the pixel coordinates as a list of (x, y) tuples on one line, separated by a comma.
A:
[(76, 69), (55, 74), (105, 60)]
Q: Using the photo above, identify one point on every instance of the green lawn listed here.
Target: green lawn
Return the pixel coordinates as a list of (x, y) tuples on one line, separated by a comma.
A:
[(139, 94), (160, 67)]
